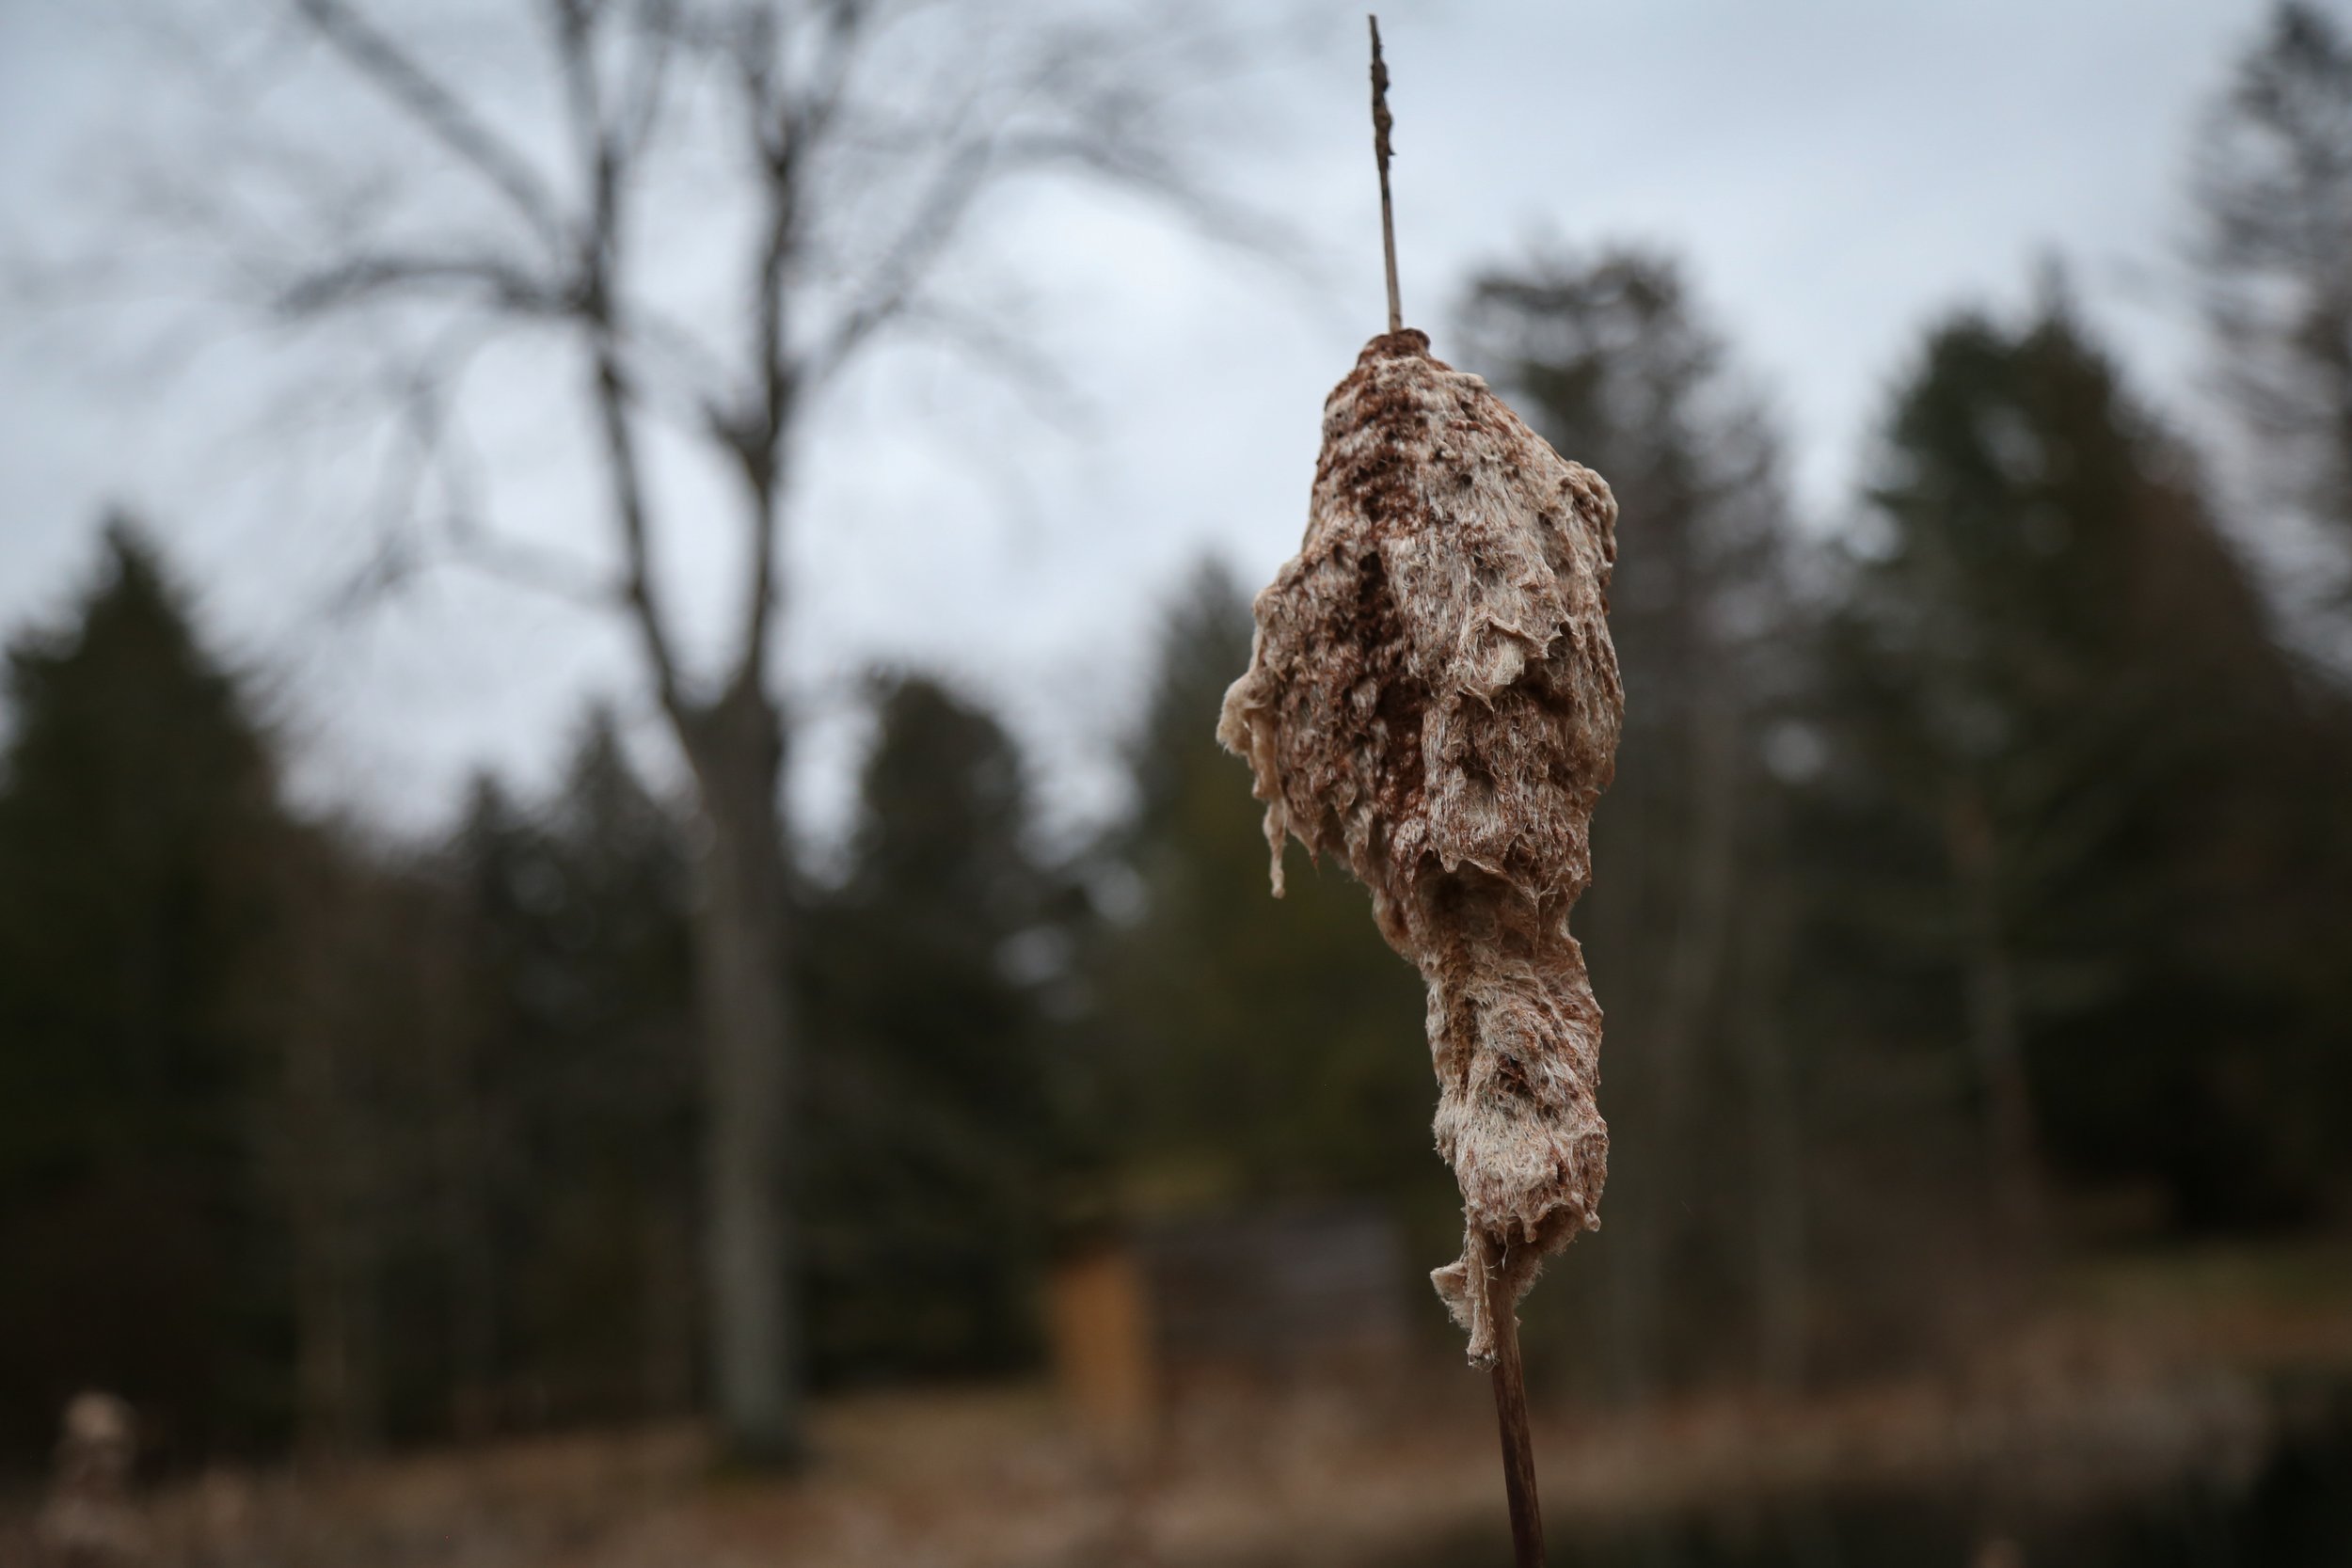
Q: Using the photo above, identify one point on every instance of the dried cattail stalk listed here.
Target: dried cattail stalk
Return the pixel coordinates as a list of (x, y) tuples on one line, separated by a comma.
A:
[(1433, 696)]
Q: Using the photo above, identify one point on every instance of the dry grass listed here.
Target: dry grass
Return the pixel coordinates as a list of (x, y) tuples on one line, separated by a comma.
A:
[(2123, 1385)]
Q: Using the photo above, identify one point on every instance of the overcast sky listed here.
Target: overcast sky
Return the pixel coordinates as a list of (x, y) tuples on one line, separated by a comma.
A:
[(1837, 173)]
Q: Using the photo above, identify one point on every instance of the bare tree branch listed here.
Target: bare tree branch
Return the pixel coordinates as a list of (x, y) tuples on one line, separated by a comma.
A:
[(1004, 353), (782, 132), (613, 400), (645, 91), (493, 281), (466, 527), (907, 264), (596, 310), (435, 110)]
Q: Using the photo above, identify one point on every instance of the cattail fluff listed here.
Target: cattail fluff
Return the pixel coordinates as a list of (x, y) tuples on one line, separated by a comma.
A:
[(1433, 695)]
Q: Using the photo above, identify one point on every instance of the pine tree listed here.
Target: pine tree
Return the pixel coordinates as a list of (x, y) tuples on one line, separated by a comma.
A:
[(1612, 358), (1259, 1049), (366, 1024), (566, 1154), (2273, 188), (2075, 782), (928, 1194), (138, 819)]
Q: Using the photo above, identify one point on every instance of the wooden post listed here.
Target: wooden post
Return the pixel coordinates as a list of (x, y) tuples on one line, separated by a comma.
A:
[(1103, 1350)]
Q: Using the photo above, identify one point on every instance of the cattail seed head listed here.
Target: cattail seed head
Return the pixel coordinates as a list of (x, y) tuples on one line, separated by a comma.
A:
[(1433, 697)]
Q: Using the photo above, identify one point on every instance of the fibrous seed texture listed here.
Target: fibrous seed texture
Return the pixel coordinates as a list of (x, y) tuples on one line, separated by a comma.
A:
[(1433, 696)]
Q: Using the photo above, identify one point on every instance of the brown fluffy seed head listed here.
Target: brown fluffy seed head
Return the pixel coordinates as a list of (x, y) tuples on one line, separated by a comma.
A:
[(1433, 696)]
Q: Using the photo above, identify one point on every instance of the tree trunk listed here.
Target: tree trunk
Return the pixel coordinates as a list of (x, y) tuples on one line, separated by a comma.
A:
[(666, 1311), (1994, 1034), (328, 1155), (1776, 1134), (1693, 861), (736, 749), (471, 1288)]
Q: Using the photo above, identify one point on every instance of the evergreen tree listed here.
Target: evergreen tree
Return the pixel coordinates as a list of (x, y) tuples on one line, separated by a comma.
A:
[(366, 1022), (927, 1189), (2077, 803), (1258, 1048), (2273, 187), (566, 1156), (137, 818), (1611, 359)]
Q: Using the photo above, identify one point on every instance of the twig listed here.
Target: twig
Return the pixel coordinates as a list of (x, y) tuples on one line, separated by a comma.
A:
[(1381, 122), (1518, 1452)]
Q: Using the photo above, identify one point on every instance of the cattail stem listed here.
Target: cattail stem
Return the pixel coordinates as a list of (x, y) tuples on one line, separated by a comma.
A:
[(1380, 123), (1518, 1451)]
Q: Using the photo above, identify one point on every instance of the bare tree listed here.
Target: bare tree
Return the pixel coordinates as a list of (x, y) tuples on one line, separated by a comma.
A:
[(852, 145)]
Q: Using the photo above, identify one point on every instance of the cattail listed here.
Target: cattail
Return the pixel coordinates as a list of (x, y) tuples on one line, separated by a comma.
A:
[(1433, 697)]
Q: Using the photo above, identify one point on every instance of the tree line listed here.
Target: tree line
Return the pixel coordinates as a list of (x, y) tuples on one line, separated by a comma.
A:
[(1971, 894)]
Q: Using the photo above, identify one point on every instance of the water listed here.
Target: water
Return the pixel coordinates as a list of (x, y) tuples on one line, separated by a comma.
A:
[(2295, 1510)]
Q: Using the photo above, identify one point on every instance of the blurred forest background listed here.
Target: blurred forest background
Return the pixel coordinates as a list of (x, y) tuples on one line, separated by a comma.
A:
[(1974, 898)]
